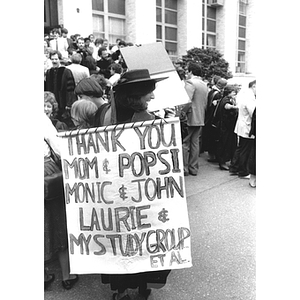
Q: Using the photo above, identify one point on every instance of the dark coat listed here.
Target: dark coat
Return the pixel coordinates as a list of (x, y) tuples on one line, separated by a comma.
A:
[(60, 126), (104, 64), (60, 82), (121, 282), (227, 141), (210, 133), (90, 63)]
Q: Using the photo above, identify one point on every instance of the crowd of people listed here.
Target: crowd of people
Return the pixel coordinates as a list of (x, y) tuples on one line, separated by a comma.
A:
[(219, 120), (87, 84), (69, 60)]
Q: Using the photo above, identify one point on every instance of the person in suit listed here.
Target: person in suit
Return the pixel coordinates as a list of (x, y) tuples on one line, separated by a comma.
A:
[(79, 71), (197, 91), (59, 43), (247, 104)]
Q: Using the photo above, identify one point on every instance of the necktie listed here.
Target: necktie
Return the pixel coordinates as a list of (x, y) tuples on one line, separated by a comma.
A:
[(56, 45)]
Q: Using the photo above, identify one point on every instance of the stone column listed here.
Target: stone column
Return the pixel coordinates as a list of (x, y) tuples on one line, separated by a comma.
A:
[(227, 32), (194, 24), (182, 27)]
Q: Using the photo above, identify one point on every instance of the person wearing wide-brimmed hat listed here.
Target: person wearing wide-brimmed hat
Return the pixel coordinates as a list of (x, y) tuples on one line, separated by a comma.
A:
[(130, 102), (132, 93)]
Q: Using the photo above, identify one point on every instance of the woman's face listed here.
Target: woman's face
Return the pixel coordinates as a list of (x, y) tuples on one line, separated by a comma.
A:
[(232, 94), (48, 109), (146, 99)]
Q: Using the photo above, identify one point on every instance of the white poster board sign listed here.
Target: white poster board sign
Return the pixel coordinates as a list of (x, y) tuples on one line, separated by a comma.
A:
[(169, 92), (125, 198)]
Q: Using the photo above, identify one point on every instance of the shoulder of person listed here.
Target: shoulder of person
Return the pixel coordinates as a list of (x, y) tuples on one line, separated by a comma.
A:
[(189, 81), (102, 115), (142, 116), (59, 125)]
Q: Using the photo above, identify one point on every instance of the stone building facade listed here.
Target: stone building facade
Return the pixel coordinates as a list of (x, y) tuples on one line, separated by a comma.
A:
[(225, 25)]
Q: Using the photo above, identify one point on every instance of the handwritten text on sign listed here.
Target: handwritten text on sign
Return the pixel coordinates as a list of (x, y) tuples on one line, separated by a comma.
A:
[(125, 198)]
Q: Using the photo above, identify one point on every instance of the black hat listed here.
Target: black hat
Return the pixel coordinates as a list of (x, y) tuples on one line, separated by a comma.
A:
[(89, 87), (136, 76)]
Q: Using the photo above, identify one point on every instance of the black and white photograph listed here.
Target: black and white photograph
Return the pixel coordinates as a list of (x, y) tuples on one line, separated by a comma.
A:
[(171, 214), (150, 153)]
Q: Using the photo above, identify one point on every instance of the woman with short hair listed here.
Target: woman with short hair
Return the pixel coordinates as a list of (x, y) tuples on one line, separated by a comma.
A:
[(51, 110), (82, 113)]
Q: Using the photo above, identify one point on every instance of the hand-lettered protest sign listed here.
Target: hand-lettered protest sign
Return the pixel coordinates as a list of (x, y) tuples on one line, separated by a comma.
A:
[(125, 198)]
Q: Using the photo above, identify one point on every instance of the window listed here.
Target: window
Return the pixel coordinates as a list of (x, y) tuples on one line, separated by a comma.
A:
[(116, 7), (171, 17), (158, 15), (109, 19), (241, 44), (211, 12), (116, 26), (242, 8), (171, 33), (211, 41), (209, 25), (98, 5), (242, 32), (166, 25), (171, 4), (158, 32), (98, 26), (242, 20), (241, 56)]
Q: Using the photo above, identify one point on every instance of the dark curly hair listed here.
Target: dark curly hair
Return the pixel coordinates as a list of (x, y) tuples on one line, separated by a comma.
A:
[(130, 95), (228, 89)]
